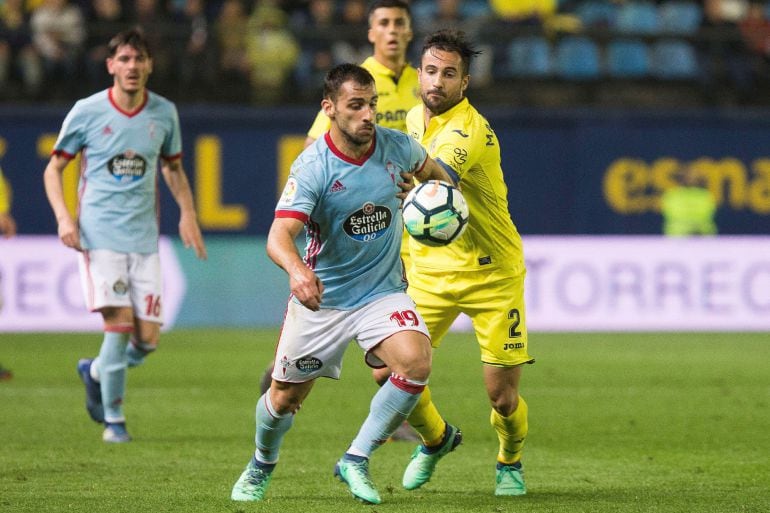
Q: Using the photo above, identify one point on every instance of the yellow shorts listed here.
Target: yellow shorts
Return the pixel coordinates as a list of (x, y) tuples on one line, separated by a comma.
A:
[(493, 299)]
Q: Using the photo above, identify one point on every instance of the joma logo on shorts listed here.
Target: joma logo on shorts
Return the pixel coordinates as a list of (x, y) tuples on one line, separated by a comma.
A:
[(308, 364)]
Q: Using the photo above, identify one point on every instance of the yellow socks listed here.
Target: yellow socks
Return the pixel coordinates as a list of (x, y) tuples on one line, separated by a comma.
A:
[(511, 431), (426, 420)]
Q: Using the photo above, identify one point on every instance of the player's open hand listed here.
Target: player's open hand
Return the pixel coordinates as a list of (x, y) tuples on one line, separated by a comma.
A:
[(306, 287), (191, 236), (406, 185)]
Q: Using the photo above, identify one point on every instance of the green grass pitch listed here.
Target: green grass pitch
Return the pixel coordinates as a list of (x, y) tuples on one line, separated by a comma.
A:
[(618, 423)]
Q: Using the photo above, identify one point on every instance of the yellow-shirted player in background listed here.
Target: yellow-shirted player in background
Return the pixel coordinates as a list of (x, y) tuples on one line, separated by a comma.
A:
[(7, 223), (481, 274), (390, 32), (7, 230)]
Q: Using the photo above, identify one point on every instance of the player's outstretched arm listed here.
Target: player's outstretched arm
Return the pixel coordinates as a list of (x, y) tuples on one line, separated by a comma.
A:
[(432, 170), (68, 230), (189, 231), (303, 282)]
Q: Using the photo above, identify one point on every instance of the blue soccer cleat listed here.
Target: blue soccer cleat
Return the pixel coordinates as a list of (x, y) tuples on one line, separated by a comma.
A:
[(115, 433), (93, 391)]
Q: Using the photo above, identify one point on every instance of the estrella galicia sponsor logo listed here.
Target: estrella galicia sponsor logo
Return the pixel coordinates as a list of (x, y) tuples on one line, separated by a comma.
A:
[(308, 364), (368, 223), (129, 166), (120, 287)]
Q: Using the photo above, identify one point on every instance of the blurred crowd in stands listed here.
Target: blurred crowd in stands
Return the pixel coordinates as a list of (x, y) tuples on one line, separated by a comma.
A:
[(267, 52)]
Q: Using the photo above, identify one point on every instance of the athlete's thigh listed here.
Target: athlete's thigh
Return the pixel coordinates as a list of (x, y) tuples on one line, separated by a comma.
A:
[(104, 278), (146, 286), (311, 344), (495, 303), (435, 302), (391, 332)]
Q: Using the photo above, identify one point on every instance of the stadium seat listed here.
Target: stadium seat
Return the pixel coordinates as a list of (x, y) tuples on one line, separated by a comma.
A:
[(637, 17), (474, 8), (529, 56), (597, 13), (577, 58), (680, 17), (674, 60), (423, 11), (628, 58)]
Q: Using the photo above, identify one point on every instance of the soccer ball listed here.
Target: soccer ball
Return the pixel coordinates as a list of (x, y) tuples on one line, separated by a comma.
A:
[(435, 213)]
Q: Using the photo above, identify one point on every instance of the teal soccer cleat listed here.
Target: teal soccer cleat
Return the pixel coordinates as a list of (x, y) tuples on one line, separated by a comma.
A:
[(356, 475), (510, 480), (423, 463), (252, 484)]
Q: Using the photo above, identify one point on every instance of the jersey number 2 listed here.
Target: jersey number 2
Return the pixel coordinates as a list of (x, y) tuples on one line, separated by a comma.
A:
[(516, 318)]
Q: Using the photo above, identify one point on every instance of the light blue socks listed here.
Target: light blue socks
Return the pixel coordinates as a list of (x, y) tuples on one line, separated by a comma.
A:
[(137, 351), (270, 430), (113, 363), (390, 407)]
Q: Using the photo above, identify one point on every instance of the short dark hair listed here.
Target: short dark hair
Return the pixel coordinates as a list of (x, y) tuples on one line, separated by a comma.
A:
[(133, 37), (453, 41), (342, 73), (382, 4)]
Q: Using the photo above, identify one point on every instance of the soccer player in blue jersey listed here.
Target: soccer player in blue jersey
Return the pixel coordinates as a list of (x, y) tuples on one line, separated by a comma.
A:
[(346, 191), (123, 133)]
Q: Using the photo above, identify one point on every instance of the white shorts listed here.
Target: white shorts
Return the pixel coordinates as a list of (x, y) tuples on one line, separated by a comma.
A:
[(123, 279), (312, 344)]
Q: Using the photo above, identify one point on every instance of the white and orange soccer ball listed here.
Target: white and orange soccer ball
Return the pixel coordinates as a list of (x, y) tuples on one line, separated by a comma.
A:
[(435, 213)]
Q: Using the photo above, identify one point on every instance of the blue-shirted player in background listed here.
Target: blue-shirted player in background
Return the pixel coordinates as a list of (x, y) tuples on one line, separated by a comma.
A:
[(345, 190), (122, 132)]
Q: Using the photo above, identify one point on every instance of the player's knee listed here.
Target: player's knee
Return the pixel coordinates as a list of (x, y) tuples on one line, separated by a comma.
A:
[(417, 370), (381, 375), (505, 404), (285, 400)]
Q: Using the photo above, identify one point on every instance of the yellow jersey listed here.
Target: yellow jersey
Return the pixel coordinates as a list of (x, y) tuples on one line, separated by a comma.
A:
[(395, 98), (462, 139)]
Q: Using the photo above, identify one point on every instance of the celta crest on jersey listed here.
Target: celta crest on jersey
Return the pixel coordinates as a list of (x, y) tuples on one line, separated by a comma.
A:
[(368, 223), (127, 166), (391, 169)]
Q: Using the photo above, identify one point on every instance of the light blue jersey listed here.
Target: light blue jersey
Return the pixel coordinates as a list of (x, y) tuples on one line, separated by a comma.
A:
[(352, 215), (119, 168)]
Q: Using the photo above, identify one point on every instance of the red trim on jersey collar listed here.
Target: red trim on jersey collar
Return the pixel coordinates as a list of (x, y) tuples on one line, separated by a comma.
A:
[(350, 160), (125, 112)]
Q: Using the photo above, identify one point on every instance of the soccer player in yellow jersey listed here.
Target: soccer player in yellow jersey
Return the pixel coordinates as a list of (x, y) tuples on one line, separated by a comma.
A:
[(7, 223), (7, 230), (390, 31), (481, 274)]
